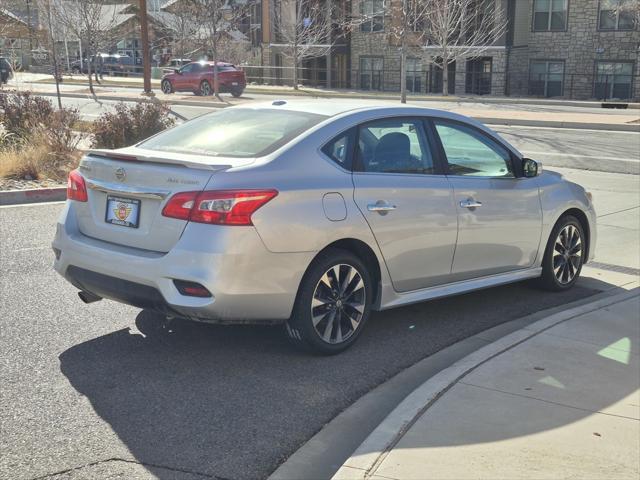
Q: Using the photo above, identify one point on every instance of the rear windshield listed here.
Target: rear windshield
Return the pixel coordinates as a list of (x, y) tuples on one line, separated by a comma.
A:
[(234, 133)]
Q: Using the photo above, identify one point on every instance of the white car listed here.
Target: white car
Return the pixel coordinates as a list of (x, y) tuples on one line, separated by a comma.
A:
[(313, 213)]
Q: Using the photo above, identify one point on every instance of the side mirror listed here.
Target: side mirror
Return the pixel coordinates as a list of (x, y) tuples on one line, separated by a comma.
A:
[(531, 168), (177, 70)]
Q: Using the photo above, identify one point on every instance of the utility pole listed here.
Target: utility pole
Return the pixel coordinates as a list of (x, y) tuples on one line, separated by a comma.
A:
[(146, 60)]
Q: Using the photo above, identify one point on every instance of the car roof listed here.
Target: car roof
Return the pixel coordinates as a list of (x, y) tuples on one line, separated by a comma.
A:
[(334, 107), (211, 62), (338, 107)]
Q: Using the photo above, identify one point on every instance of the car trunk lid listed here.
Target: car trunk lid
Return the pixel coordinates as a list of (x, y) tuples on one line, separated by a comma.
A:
[(127, 190)]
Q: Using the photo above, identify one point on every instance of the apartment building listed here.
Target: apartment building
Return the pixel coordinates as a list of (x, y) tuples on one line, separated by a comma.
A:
[(580, 49), (329, 66)]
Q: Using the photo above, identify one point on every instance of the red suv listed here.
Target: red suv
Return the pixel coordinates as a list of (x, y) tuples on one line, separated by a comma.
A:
[(197, 77)]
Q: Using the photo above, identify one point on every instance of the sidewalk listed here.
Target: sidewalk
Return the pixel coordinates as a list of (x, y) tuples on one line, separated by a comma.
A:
[(489, 110), (557, 399)]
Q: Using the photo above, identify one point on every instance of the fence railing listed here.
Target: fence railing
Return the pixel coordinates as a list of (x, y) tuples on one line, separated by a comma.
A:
[(588, 85)]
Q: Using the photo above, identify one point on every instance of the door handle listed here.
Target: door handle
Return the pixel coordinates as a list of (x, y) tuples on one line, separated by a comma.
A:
[(381, 206), (470, 203)]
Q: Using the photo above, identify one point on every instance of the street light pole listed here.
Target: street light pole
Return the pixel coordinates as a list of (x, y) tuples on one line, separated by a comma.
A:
[(146, 60)]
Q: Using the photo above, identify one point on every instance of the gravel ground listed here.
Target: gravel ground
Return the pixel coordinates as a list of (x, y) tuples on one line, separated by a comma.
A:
[(21, 184)]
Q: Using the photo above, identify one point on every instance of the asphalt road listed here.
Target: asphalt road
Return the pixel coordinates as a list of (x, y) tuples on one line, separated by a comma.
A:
[(87, 392)]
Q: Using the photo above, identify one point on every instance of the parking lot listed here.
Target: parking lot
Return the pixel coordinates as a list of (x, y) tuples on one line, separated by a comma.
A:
[(98, 390)]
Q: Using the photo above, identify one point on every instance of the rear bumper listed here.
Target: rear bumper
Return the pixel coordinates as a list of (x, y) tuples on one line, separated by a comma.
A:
[(248, 283)]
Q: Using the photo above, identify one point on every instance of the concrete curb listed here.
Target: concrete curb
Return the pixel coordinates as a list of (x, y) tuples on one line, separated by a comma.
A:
[(611, 127), (385, 96), (488, 120), (35, 195), (321, 456), (383, 439)]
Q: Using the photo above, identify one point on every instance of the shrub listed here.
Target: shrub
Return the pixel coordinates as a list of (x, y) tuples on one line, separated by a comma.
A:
[(36, 140), (128, 125), (20, 112), (36, 161)]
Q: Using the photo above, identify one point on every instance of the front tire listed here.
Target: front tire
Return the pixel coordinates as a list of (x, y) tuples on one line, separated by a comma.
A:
[(333, 304), (564, 255), (166, 87), (205, 88)]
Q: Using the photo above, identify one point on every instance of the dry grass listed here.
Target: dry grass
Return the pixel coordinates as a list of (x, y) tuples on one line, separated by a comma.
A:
[(35, 161)]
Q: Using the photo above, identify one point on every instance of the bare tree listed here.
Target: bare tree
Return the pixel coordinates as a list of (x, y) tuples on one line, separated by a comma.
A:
[(184, 30), (303, 30), (629, 9), (405, 32), (46, 7), (92, 22), (216, 19), (461, 29)]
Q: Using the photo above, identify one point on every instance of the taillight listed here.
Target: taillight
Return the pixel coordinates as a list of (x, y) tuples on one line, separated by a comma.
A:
[(76, 189), (180, 205), (218, 207)]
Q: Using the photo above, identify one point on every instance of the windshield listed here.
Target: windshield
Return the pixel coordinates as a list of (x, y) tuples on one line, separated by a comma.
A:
[(234, 133)]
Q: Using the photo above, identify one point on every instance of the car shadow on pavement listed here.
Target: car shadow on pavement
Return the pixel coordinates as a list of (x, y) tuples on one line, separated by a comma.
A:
[(235, 401)]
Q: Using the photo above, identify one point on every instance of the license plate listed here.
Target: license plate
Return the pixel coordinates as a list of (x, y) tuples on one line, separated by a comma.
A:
[(234, 83), (123, 211)]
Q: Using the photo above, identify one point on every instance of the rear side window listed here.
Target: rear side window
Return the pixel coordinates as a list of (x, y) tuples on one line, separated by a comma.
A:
[(394, 145), (242, 132), (339, 149)]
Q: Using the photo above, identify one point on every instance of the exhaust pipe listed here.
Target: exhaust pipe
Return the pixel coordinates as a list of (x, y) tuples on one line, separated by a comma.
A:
[(88, 297)]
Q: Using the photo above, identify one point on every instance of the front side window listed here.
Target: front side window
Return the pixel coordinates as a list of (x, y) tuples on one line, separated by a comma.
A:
[(188, 68), (616, 15), (242, 133), (549, 15), (546, 78), (613, 80), (372, 12), (470, 153), (394, 146)]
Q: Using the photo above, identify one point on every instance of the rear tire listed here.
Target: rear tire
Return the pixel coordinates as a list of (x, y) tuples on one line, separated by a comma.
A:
[(333, 304), (564, 255), (237, 92)]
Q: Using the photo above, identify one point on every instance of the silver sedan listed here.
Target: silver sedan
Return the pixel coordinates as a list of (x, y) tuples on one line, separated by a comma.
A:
[(312, 214)]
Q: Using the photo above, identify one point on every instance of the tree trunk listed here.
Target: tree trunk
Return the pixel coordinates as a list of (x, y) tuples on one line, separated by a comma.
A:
[(89, 73), (403, 74), (445, 78), (216, 86), (54, 56), (295, 67)]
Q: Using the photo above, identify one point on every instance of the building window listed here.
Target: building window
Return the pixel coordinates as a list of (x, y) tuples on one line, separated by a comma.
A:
[(549, 15), (613, 80), (371, 70), (614, 16), (414, 75), (546, 78), (372, 12)]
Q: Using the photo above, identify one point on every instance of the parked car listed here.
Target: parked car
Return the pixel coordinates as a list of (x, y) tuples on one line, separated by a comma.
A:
[(6, 71), (313, 214), (197, 77), (105, 64)]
